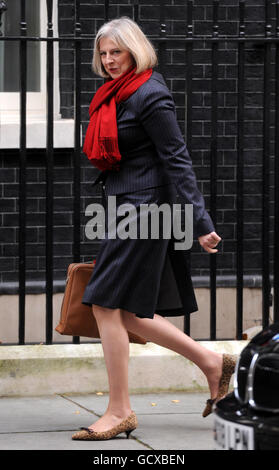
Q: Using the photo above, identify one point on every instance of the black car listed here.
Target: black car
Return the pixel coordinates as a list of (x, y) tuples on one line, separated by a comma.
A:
[(248, 418)]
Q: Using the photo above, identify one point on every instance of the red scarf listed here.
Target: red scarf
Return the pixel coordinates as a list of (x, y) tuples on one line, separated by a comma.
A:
[(101, 139)]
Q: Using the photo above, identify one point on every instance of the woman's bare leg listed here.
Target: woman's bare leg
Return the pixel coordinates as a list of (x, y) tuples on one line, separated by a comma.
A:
[(113, 325), (115, 343), (162, 332)]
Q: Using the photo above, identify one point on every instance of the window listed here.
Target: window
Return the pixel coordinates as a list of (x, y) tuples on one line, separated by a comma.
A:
[(10, 63), (36, 20), (9, 57)]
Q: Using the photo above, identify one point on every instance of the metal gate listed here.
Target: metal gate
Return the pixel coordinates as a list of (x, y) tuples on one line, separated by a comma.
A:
[(269, 44)]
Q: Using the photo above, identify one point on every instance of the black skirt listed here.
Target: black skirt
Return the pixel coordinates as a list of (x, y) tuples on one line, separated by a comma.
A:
[(141, 275)]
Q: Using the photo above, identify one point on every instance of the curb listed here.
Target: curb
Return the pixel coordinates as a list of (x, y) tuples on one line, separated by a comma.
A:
[(80, 368)]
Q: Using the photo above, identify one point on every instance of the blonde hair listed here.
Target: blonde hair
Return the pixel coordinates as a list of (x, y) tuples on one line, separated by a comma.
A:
[(128, 35)]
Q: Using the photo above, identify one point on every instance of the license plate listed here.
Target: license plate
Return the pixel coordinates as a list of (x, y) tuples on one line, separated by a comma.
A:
[(232, 436)]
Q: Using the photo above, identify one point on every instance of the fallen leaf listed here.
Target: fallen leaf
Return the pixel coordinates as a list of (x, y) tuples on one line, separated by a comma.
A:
[(99, 393), (154, 404), (77, 412), (175, 401)]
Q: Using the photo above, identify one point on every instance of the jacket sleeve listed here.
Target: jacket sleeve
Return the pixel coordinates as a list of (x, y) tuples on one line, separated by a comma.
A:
[(157, 114)]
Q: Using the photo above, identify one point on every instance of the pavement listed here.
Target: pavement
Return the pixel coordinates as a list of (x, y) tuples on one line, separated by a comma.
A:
[(167, 421)]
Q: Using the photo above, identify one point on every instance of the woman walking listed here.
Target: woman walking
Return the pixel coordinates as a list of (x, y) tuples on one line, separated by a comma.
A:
[(134, 138)]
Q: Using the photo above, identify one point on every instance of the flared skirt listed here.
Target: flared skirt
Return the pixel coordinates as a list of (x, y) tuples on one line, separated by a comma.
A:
[(137, 265)]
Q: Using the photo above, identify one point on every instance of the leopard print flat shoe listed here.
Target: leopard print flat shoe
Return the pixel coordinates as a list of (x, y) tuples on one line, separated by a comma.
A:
[(229, 363), (127, 425)]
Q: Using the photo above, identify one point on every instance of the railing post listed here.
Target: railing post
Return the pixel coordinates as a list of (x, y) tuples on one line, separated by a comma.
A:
[(188, 109), (76, 246), (49, 178), (22, 175), (106, 10), (162, 49), (136, 11), (276, 182), (77, 156), (266, 173), (213, 164), (240, 166)]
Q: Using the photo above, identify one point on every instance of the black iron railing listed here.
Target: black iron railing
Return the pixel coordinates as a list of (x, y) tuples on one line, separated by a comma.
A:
[(270, 222)]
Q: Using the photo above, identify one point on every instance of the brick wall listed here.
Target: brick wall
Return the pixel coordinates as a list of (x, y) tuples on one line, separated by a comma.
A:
[(173, 70)]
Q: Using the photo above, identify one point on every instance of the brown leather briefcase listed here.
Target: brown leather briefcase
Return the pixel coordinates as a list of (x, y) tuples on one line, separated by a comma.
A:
[(77, 319)]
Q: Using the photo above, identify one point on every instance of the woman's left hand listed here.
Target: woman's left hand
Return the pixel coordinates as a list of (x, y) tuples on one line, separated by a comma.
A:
[(209, 242)]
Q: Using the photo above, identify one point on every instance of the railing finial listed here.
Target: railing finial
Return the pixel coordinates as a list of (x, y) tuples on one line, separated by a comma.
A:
[(3, 7), (49, 18)]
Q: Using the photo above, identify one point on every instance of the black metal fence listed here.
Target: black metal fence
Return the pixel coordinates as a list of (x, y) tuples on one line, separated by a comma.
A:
[(269, 42)]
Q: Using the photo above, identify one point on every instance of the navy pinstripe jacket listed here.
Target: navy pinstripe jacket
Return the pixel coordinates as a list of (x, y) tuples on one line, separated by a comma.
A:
[(153, 150)]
